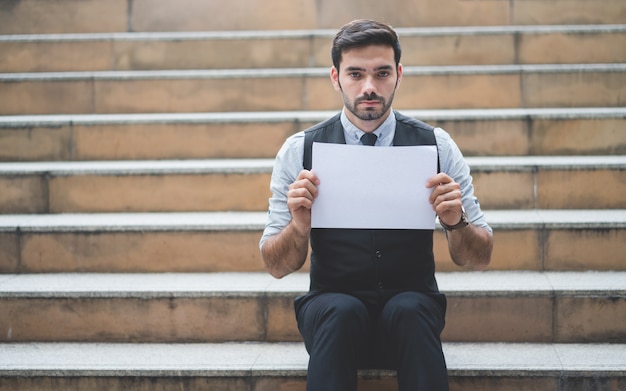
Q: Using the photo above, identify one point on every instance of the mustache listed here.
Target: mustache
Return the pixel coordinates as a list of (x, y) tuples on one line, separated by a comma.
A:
[(370, 97)]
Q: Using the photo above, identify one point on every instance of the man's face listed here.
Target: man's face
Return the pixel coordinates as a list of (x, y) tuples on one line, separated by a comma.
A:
[(367, 80)]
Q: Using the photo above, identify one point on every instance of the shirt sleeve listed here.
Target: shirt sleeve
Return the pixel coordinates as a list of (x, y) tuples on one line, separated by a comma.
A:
[(287, 166), (453, 164)]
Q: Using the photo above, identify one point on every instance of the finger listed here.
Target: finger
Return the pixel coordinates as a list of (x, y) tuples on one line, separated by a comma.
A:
[(302, 188), (450, 211), (438, 179), (309, 175), (434, 195), (452, 204), (301, 192), (439, 193), (295, 203), (445, 194), (306, 179)]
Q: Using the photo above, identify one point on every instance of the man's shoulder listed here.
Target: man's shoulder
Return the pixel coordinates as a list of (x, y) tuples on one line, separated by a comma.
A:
[(332, 121), (412, 122)]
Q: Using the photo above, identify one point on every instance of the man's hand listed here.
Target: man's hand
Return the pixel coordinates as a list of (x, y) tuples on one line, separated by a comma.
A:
[(300, 197), (446, 198)]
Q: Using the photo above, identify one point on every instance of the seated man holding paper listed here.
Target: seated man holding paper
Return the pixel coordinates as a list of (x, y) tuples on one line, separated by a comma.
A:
[(373, 300)]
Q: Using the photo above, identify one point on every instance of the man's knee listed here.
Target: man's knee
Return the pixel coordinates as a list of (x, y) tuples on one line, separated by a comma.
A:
[(346, 309), (333, 311), (415, 308)]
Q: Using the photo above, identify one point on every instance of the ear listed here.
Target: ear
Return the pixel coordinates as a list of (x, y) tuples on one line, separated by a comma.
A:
[(334, 77), (399, 74)]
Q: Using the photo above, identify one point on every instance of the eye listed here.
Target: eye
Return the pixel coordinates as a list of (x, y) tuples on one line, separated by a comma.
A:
[(354, 75), (383, 74)]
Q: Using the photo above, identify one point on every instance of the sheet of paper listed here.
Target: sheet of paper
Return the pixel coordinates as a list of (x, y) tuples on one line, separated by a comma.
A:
[(373, 187)]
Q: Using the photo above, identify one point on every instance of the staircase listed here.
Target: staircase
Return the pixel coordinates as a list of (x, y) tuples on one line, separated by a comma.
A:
[(136, 147)]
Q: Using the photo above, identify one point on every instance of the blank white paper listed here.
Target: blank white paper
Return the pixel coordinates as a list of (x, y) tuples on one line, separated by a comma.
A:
[(373, 187)]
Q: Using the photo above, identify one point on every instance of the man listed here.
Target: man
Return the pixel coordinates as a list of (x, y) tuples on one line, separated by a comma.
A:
[(373, 300)]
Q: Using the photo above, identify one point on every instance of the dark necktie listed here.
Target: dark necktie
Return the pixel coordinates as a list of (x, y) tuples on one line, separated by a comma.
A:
[(369, 139)]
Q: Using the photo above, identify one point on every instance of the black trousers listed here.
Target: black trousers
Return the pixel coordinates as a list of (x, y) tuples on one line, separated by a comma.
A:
[(400, 331)]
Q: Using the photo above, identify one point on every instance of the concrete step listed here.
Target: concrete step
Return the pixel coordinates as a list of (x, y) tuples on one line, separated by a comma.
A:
[(567, 307), (228, 241), (438, 87), (499, 132), (282, 366), (65, 16), (544, 182), (136, 186), (477, 45)]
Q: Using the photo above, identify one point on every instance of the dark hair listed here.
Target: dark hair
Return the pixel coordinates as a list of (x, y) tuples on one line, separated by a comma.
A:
[(364, 32)]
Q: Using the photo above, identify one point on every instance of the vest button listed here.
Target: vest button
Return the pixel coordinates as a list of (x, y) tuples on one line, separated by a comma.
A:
[(379, 254), (380, 284)]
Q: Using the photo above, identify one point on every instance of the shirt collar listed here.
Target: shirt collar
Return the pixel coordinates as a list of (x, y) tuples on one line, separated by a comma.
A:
[(384, 132)]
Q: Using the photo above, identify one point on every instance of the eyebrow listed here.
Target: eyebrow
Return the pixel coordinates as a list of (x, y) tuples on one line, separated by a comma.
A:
[(380, 68)]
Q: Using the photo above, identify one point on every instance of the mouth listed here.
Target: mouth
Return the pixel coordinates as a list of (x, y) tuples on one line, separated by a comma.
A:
[(369, 103)]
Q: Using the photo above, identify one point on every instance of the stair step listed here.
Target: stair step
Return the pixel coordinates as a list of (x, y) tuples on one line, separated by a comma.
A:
[(441, 87), (483, 307), (500, 132), (136, 186), (256, 366), (228, 241), (548, 182), (468, 45), (64, 16)]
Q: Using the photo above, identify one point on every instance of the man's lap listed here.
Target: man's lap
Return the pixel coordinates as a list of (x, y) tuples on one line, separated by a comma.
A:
[(372, 320)]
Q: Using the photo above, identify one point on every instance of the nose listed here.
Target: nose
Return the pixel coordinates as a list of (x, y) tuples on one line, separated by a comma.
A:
[(368, 86)]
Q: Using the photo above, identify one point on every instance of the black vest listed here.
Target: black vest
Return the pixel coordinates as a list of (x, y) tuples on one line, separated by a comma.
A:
[(352, 260)]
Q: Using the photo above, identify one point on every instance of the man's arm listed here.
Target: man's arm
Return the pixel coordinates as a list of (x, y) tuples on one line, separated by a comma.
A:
[(286, 251), (469, 246)]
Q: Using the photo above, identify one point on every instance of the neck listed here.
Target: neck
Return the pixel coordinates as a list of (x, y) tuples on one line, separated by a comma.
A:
[(368, 126)]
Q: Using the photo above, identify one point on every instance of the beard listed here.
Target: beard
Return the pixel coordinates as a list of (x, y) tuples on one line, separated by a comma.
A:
[(369, 113)]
